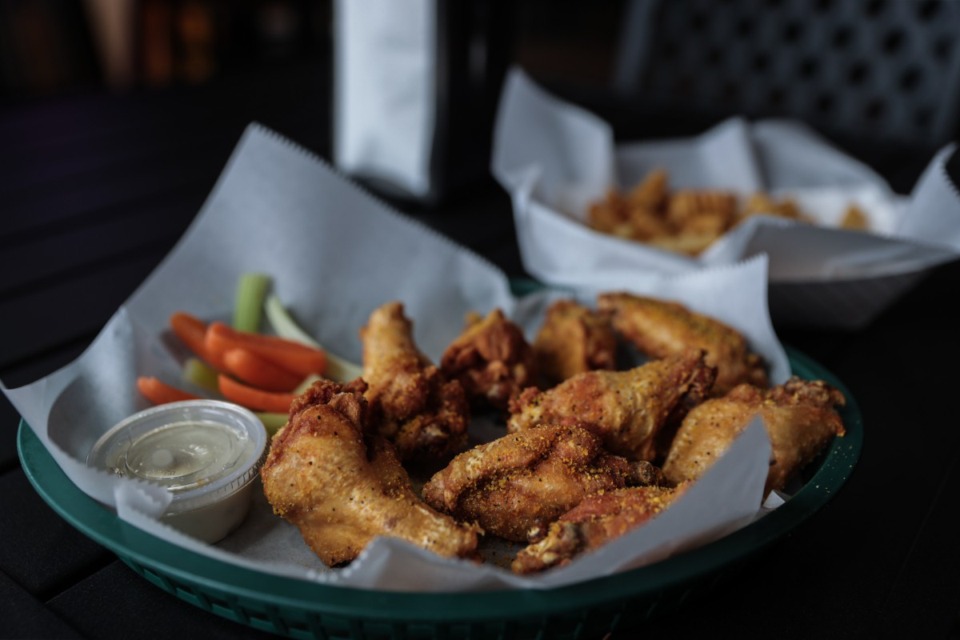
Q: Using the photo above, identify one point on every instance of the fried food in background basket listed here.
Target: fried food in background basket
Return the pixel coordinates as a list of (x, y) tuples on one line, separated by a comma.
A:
[(689, 220)]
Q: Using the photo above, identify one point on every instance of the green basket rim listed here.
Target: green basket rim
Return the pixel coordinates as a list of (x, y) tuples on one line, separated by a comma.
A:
[(296, 598)]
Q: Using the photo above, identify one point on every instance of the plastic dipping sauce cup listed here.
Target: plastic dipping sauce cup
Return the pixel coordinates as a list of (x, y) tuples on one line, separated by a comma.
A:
[(207, 453)]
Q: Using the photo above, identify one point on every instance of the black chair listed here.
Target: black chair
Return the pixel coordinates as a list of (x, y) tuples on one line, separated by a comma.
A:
[(878, 77)]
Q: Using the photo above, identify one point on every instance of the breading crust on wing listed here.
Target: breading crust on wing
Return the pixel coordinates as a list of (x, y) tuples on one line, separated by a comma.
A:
[(573, 339), (628, 409), (514, 486), (492, 360), (660, 328), (800, 417), (342, 487), (594, 522), (414, 404)]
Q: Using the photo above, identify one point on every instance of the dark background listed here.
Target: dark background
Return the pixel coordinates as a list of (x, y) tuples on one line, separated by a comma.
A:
[(50, 48), (109, 146)]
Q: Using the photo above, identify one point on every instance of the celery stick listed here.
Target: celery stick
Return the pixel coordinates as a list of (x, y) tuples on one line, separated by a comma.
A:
[(284, 325), (342, 370), (306, 384), (199, 373), (248, 303), (272, 421)]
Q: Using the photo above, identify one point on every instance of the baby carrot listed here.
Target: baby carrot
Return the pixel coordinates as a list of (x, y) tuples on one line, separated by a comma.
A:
[(339, 369), (192, 332), (253, 398), (159, 392), (292, 356), (258, 371)]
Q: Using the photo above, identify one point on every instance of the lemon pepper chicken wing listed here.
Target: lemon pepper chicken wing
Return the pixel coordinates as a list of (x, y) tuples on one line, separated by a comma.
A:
[(594, 522), (800, 417), (514, 486), (572, 339), (630, 410), (492, 360), (343, 488), (415, 406), (660, 328)]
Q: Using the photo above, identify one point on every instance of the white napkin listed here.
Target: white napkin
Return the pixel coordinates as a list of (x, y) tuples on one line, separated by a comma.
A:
[(555, 158), (384, 111), (335, 253)]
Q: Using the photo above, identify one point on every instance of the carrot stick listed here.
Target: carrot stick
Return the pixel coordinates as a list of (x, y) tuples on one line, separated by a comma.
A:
[(192, 332), (253, 398), (339, 369), (258, 371), (159, 392), (297, 358)]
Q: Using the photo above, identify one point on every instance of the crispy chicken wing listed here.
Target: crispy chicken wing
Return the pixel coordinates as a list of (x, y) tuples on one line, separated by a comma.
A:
[(414, 405), (514, 486), (342, 488), (595, 521), (800, 416), (572, 339), (630, 409), (492, 360), (660, 328)]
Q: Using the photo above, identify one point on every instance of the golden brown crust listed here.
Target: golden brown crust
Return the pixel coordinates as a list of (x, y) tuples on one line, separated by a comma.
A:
[(559, 479), (689, 220), (492, 360), (514, 486), (660, 328), (800, 417), (573, 339), (414, 404), (342, 488), (628, 409), (594, 522)]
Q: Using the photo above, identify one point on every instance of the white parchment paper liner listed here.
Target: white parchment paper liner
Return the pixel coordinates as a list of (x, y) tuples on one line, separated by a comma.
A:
[(335, 254), (554, 158)]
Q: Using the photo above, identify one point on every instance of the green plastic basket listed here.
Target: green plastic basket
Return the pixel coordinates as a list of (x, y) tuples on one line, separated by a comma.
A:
[(301, 609)]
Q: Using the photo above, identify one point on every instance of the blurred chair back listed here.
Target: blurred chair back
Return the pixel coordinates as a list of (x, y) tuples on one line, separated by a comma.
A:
[(884, 70)]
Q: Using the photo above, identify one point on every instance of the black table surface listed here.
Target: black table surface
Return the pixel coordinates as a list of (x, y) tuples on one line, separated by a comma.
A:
[(96, 188)]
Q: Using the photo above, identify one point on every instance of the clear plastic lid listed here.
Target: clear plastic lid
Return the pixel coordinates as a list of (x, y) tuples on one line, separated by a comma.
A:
[(200, 450)]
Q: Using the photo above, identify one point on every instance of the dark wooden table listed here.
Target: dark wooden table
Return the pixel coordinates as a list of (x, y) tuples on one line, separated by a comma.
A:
[(94, 191)]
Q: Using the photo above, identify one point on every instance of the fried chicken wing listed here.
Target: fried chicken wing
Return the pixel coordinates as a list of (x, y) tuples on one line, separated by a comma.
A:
[(572, 339), (514, 486), (343, 488), (628, 409), (800, 417), (660, 328), (414, 405), (492, 360), (594, 522)]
